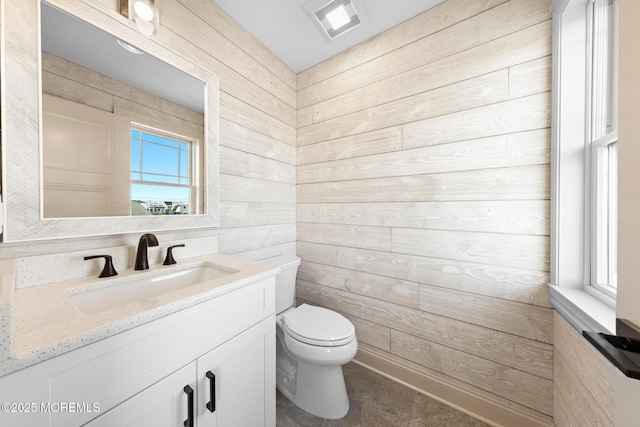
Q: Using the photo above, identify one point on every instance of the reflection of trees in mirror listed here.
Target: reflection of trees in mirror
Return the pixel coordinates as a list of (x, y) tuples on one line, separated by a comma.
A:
[(160, 172)]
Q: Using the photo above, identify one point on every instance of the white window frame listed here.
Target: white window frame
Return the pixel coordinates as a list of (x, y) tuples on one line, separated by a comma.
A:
[(602, 138), (573, 195), (603, 253), (192, 164)]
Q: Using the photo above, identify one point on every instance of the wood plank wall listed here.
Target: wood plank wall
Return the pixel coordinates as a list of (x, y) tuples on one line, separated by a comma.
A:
[(423, 197), (257, 126), (583, 381)]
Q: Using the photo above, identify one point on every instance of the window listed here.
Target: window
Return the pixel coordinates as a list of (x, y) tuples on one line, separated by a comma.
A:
[(602, 137), (161, 177), (582, 280)]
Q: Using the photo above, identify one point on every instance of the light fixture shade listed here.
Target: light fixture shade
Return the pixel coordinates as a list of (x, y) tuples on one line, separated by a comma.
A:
[(144, 15), (144, 26), (143, 10)]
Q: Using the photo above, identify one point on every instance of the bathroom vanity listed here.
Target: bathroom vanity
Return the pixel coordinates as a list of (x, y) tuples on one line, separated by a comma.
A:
[(194, 356), (78, 350)]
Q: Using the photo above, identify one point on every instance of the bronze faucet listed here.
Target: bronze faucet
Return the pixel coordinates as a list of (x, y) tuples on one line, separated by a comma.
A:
[(142, 260)]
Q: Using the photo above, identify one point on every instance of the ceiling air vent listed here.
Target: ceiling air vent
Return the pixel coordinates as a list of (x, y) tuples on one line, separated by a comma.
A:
[(337, 17)]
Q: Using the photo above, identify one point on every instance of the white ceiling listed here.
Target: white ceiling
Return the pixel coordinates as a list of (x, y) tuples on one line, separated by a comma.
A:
[(293, 34)]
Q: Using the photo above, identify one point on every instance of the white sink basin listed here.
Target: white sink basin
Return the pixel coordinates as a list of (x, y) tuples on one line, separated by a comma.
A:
[(117, 292)]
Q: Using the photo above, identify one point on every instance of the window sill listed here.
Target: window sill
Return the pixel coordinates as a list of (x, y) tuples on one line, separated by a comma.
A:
[(582, 310)]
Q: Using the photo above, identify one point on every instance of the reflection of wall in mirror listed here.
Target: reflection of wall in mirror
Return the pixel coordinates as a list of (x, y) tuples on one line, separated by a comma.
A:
[(65, 185), (85, 170)]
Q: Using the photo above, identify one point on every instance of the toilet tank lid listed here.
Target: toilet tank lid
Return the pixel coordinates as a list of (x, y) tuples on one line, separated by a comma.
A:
[(284, 261)]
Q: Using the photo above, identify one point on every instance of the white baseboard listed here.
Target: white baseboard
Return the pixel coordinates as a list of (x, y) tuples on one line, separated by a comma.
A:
[(484, 409)]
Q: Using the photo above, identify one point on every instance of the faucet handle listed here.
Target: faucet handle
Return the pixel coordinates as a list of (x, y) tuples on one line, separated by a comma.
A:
[(169, 258), (108, 269)]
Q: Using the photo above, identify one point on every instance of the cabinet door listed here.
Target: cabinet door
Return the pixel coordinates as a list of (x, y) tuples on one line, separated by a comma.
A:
[(164, 404), (240, 387)]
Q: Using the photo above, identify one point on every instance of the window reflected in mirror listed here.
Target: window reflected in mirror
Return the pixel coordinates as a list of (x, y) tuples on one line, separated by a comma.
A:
[(161, 172)]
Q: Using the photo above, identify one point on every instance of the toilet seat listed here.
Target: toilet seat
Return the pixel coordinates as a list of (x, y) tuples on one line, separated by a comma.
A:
[(318, 326)]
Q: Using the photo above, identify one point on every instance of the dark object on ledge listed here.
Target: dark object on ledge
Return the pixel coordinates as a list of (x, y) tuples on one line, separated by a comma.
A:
[(627, 329), (622, 351), (168, 260), (142, 261), (108, 269)]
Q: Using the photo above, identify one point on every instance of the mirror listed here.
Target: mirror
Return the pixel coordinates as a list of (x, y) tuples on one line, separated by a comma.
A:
[(57, 184), (122, 131)]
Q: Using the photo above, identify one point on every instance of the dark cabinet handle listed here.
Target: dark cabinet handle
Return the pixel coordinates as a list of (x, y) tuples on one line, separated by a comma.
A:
[(189, 421), (168, 260), (108, 269), (211, 406)]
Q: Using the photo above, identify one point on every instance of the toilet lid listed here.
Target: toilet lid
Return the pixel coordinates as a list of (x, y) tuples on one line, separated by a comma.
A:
[(318, 326)]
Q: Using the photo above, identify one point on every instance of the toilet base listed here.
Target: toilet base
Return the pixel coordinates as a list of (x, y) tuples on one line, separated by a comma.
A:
[(311, 376), (319, 390)]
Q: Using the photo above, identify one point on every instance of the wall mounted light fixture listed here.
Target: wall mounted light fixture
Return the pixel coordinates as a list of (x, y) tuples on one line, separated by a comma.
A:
[(143, 15)]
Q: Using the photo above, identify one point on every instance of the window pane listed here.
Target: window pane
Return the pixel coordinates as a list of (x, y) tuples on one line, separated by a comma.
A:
[(157, 199), (601, 212), (604, 212), (184, 165), (603, 139), (159, 178), (159, 140), (158, 159), (602, 69), (159, 193), (613, 215), (135, 152)]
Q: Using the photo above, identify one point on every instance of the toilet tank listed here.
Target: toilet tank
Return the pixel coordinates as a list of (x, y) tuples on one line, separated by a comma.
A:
[(286, 280)]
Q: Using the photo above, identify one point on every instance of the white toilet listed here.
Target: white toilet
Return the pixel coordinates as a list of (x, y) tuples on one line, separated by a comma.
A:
[(312, 344)]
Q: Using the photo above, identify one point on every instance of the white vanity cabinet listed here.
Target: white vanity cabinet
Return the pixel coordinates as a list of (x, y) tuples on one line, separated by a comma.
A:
[(234, 378), (164, 404), (138, 377), (225, 387)]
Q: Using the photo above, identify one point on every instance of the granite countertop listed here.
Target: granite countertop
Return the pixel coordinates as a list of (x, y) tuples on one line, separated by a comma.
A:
[(41, 322)]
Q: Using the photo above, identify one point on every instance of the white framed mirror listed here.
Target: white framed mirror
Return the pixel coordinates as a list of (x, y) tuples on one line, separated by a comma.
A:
[(76, 185)]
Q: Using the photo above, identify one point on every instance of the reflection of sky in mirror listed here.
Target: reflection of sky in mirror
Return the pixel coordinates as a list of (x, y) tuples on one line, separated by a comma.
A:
[(76, 41), (158, 159), (160, 194)]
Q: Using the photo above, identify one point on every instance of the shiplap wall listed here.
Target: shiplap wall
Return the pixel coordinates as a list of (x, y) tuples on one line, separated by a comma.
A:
[(257, 126), (423, 197), (583, 381)]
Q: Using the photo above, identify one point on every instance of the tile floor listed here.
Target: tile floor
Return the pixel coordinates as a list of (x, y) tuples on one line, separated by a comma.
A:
[(376, 401)]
